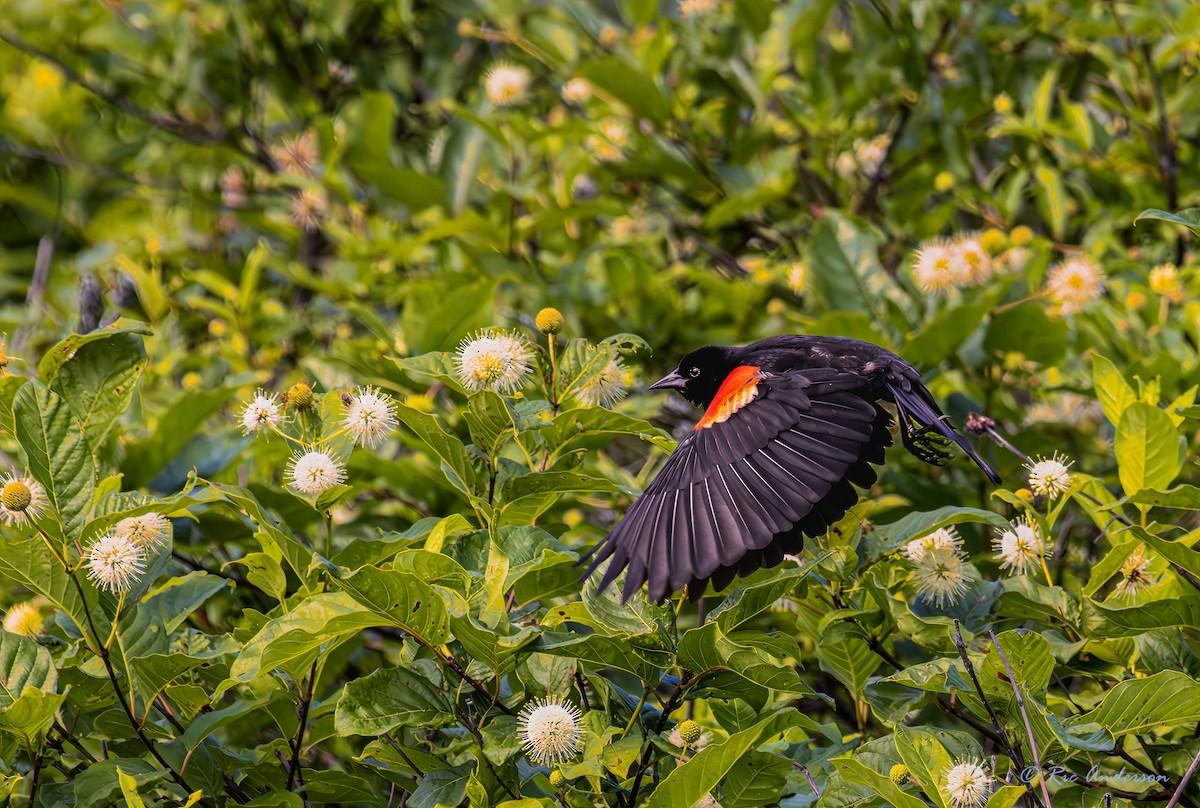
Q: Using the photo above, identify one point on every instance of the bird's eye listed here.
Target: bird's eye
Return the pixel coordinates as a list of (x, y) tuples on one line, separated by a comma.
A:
[(694, 372)]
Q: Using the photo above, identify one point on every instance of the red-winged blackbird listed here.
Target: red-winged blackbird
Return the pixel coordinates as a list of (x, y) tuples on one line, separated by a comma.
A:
[(791, 424)]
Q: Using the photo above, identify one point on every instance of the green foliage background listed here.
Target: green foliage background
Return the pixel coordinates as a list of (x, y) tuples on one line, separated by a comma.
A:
[(374, 645)]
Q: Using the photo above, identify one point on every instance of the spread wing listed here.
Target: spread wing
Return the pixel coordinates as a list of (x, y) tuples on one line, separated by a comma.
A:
[(749, 482)]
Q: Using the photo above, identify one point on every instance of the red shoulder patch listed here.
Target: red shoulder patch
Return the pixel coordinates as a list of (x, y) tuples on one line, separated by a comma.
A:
[(739, 389)]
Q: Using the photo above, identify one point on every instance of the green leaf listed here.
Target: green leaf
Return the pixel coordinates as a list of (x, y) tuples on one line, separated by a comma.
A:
[(1150, 452), (1164, 699), (1101, 621), (441, 788), (927, 760), (57, 453), (389, 698), (856, 772), (145, 458), (31, 715), (400, 599), (843, 652), (100, 377), (949, 329), (456, 463), (23, 663), (1028, 330), (686, 784), (370, 119), (27, 562), (1189, 218), (629, 85), (1112, 391), (886, 538)]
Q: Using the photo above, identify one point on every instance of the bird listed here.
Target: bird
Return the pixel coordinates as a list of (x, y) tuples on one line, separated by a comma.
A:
[(791, 425)]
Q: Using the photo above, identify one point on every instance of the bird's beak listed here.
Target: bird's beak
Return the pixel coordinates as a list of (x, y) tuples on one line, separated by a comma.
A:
[(672, 381)]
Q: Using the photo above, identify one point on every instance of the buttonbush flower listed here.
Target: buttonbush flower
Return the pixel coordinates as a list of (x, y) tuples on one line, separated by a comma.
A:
[(315, 472), (689, 7), (577, 90), (506, 84), (550, 730), (21, 499), (899, 774), (1020, 549), (968, 785), (944, 538), (24, 619), (1049, 478), (939, 266), (493, 360), (309, 208), (369, 417), (1075, 283), (607, 387), (148, 531), (972, 253), (1135, 573), (797, 278), (941, 576), (1164, 280), (114, 562), (297, 155), (263, 411)]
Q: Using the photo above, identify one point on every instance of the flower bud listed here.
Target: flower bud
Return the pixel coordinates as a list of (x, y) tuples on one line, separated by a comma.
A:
[(16, 496), (899, 774), (557, 779), (690, 731), (549, 321), (300, 396)]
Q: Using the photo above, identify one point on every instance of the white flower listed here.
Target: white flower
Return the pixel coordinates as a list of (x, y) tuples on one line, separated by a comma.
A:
[(944, 538), (968, 785), (1021, 548), (23, 618), (494, 360), (845, 164), (689, 7), (550, 730), (1135, 573), (369, 418), (938, 266), (605, 388), (506, 84), (114, 562), (148, 531), (315, 472), (263, 411), (797, 278), (871, 153), (577, 90), (941, 576), (1074, 283), (707, 801), (309, 208), (21, 499), (1049, 478), (972, 254)]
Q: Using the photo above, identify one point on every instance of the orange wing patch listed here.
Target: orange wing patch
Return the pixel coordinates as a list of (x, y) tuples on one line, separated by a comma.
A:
[(739, 389)]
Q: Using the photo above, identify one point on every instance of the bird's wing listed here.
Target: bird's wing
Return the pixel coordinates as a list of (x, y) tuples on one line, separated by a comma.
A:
[(772, 453)]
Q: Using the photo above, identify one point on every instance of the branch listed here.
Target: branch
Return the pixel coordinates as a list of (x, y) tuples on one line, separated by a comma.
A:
[(1184, 781), (1012, 680), (305, 702)]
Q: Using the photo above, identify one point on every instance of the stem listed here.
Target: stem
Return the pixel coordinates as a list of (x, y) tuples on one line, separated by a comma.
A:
[(668, 708), (328, 533), (387, 736), (1012, 680), (33, 785), (298, 742), (808, 776), (1046, 569), (553, 374), (962, 652), (636, 712), (1184, 781)]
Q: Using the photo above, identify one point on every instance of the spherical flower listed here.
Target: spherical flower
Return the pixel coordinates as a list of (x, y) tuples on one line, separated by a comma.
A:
[(148, 531), (941, 576), (978, 262), (939, 266), (1074, 283), (944, 538), (797, 278), (315, 472), (608, 143), (369, 417), (21, 499), (1021, 548), (607, 387), (845, 165), (557, 779), (968, 785), (549, 321), (1135, 301), (1002, 104), (24, 619), (1135, 573), (1164, 280), (550, 730), (577, 90), (506, 84), (870, 154), (297, 155), (114, 562), (300, 396), (943, 182), (708, 801), (690, 731), (493, 360), (263, 412), (1021, 235), (1049, 478), (899, 774), (309, 208), (994, 241), (689, 7)]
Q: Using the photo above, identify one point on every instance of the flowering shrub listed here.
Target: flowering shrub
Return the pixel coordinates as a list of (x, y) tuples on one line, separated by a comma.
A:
[(327, 334)]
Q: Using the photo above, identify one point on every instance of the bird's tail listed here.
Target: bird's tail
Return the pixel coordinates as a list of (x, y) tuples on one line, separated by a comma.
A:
[(926, 430)]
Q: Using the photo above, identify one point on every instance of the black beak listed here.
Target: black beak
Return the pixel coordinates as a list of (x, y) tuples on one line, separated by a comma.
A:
[(672, 381)]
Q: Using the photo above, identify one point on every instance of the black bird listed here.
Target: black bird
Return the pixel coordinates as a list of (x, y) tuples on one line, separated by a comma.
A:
[(791, 424)]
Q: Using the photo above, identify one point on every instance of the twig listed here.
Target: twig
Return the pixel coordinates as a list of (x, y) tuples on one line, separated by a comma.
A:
[(387, 736), (1013, 752), (684, 683), (1012, 680), (808, 776), (305, 701), (1187, 775)]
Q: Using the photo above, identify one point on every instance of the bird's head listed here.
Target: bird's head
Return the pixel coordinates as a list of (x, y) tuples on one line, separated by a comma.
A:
[(699, 374)]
